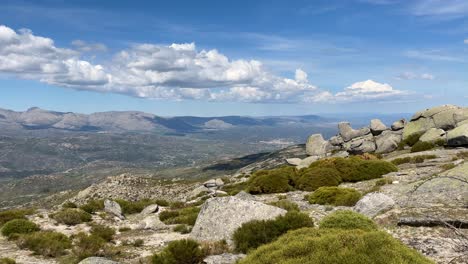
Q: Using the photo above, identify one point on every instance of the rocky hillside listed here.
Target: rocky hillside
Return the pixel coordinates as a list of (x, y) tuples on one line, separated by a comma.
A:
[(400, 193)]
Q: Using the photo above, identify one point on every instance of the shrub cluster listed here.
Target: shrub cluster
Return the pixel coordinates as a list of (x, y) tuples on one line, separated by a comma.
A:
[(104, 232), (335, 246), (182, 228), (185, 251), (326, 172), (45, 243), (134, 207), (286, 205), (93, 206), (346, 219), (7, 261), (258, 232), (71, 216), (18, 226), (9, 215), (186, 216), (336, 196), (422, 146), (415, 159)]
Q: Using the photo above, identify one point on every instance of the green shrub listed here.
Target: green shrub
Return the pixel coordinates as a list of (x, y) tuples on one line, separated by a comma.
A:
[(185, 251), (412, 139), (7, 261), (45, 243), (19, 226), (131, 207), (106, 233), (422, 146), (316, 177), (334, 246), (183, 229), (93, 206), (186, 216), (8, 215), (269, 181), (69, 204), (258, 232), (440, 142), (138, 242), (214, 247), (88, 245), (124, 229), (415, 159), (233, 189), (399, 161), (162, 202), (336, 196), (447, 166), (71, 216), (286, 205), (346, 219)]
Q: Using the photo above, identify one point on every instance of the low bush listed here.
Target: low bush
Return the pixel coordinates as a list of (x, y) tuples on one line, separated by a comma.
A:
[(9, 215), (88, 245), (7, 261), (335, 246), (71, 216), (286, 205), (346, 219), (186, 216), (399, 161), (336, 196), (316, 177), (233, 189), (133, 207), (162, 202), (182, 228), (45, 243), (104, 232), (214, 248), (69, 204), (412, 139), (415, 159), (422, 146), (93, 206), (18, 226), (271, 181), (124, 229), (258, 232), (138, 242), (447, 166), (185, 251)]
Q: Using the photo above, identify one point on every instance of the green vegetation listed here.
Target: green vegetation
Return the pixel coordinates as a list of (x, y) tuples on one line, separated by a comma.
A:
[(131, 207), (71, 216), (233, 189), (187, 215), (447, 166), (214, 247), (258, 232), (326, 172), (415, 159), (335, 246), (104, 232), (336, 196), (124, 229), (182, 228), (346, 219), (18, 226), (422, 146), (87, 245), (69, 204), (138, 242), (162, 202), (93, 206), (7, 261), (45, 243), (185, 251), (9, 215), (412, 139), (286, 205)]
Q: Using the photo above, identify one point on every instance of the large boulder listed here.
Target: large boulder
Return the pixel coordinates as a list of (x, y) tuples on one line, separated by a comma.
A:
[(307, 161), (336, 140), (294, 161), (377, 127), (461, 115), (398, 125), (151, 222), (418, 126), (113, 208), (219, 217), (360, 145), (387, 141), (373, 204), (150, 209), (348, 133), (458, 136), (97, 260), (317, 146), (433, 135)]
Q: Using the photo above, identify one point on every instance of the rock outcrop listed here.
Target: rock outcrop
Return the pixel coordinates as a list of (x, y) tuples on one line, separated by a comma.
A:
[(433, 135), (221, 216), (377, 127), (458, 136), (113, 208), (348, 133), (97, 260), (225, 258), (317, 146), (373, 204)]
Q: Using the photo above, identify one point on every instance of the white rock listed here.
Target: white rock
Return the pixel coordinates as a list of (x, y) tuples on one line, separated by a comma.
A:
[(373, 204), (150, 209), (294, 161), (113, 208)]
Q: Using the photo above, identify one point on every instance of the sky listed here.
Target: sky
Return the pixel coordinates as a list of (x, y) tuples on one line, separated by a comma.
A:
[(212, 58)]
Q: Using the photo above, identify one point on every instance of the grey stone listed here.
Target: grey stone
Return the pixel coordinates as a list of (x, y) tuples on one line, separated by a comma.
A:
[(373, 204), (336, 140), (113, 208), (150, 209), (219, 217), (307, 161), (97, 260), (398, 125), (317, 146), (348, 133), (433, 135), (341, 154), (458, 136), (360, 145), (151, 222), (200, 189), (294, 161), (226, 258), (461, 115), (387, 141), (377, 127), (245, 196)]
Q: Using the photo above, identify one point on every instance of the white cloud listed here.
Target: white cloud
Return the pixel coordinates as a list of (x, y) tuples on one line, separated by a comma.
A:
[(465, 41), (84, 46), (174, 72), (434, 55), (415, 76), (440, 8)]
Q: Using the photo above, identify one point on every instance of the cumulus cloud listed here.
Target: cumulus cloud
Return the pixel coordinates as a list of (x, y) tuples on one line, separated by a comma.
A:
[(84, 46), (415, 76), (175, 72)]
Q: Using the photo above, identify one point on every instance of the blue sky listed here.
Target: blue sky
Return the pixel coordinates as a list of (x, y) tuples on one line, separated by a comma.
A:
[(234, 57)]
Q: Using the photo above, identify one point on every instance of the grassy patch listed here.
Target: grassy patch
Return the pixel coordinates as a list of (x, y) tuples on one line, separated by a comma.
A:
[(187, 216), (182, 228), (415, 159), (45, 243), (271, 181), (258, 232), (286, 205), (346, 219), (185, 251), (133, 207), (336, 196), (93, 206), (7, 261), (422, 146), (71, 216), (9, 215), (18, 226), (104, 232)]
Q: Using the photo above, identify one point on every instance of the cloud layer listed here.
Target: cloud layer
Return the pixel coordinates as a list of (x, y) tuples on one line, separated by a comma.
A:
[(176, 72)]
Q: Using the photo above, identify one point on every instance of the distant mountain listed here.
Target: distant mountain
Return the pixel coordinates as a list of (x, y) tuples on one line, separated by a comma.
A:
[(127, 121)]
